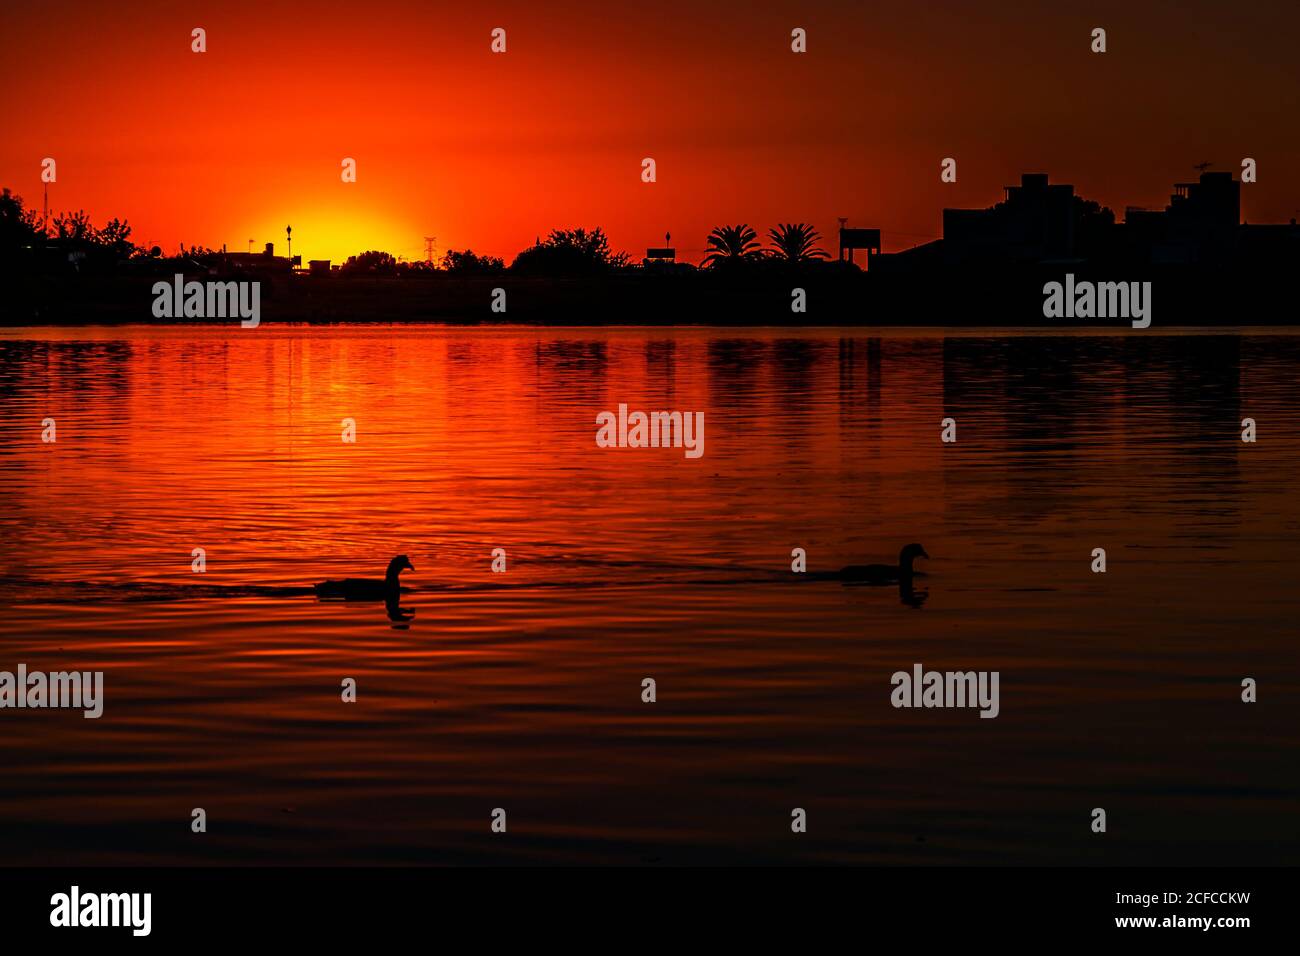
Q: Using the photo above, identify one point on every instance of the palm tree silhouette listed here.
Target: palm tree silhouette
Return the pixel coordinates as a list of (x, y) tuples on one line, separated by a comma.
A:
[(797, 242), (732, 244)]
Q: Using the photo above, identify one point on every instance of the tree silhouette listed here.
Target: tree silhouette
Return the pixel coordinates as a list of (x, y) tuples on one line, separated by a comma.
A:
[(570, 252), (730, 244), (1093, 227), (116, 237), (74, 231), (797, 242), (18, 226), (372, 261), (468, 263), (74, 227)]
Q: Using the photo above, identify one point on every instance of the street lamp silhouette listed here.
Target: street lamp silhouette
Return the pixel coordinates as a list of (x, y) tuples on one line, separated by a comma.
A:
[(288, 234)]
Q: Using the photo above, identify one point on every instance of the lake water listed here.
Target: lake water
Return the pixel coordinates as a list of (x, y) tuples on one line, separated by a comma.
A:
[(522, 690)]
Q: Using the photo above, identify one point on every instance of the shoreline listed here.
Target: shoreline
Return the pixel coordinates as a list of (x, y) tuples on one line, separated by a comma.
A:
[(221, 327), (1180, 297)]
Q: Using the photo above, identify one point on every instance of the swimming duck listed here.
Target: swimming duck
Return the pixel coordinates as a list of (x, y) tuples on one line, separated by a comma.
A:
[(885, 573), (368, 589)]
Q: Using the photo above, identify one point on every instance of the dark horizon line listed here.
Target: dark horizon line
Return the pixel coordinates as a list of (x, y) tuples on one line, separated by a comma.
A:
[(141, 251)]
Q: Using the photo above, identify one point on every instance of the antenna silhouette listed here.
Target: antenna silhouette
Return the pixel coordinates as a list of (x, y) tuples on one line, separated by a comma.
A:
[(428, 248)]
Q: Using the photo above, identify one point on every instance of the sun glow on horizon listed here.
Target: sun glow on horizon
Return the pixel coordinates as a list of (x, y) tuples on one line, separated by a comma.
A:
[(333, 235)]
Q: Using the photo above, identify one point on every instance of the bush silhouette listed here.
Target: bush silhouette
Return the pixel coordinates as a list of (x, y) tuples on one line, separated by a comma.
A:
[(569, 252)]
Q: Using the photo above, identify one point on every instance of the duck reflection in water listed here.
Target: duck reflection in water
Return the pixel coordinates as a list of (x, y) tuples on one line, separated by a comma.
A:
[(388, 590), (911, 596), (903, 574), (398, 615)]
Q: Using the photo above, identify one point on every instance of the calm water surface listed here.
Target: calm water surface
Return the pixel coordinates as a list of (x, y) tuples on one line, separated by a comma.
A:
[(523, 690)]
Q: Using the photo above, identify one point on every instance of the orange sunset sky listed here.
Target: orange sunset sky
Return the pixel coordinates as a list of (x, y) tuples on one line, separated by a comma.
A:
[(488, 150)]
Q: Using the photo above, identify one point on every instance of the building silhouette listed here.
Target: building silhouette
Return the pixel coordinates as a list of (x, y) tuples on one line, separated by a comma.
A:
[(1044, 223), (264, 261), (1033, 223), (1200, 224)]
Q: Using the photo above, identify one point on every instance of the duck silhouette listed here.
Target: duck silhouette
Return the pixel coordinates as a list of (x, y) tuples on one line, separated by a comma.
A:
[(900, 573), (368, 589)]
